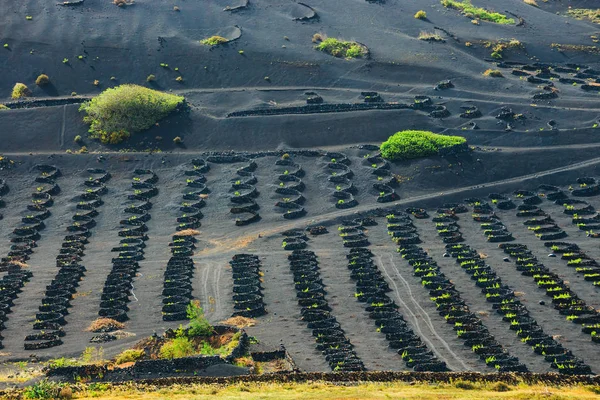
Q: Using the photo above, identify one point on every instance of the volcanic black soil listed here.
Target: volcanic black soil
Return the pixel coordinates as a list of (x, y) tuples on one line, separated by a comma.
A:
[(249, 96)]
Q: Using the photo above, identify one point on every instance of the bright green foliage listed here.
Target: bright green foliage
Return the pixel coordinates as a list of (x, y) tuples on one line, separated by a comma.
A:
[(415, 144), (176, 348), (340, 48), (129, 356), (199, 325), (43, 389), (20, 90), (120, 111), (421, 15), (214, 40), (470, 11)]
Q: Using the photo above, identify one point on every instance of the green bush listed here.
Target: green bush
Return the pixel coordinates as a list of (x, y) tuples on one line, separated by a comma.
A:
[(421, 15), (129, 356), (340, 48), (407, 145), (470, 11), (43, 389), (3, 107), (20, 90), (199, 325), (214, 40), (176, 348), (42, 80), (118, 112)]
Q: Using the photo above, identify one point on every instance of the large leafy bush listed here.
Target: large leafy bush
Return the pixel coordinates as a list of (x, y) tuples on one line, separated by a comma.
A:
[(406, 145), (120, 111)]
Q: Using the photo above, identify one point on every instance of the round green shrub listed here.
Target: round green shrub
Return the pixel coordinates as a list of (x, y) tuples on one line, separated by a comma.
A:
[(407, 145), (118, 112), (20, 90)]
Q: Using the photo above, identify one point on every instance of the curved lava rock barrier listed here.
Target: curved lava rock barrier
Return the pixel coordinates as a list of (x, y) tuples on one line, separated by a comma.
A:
[(340, 174), (548, 230), (243, 194), (468, 326), (315, 311), (25, 239), (118, 285), (371, 289), (493, 229), (177, 284), (57, 300), (513, 312), (3, 191), (290, 185), (385, 181), (563, 298), (247, 289)]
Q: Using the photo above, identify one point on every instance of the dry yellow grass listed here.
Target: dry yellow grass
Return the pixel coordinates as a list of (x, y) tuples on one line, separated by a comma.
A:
[(239, 322), (103, 323), (328, 391), (188, 232)]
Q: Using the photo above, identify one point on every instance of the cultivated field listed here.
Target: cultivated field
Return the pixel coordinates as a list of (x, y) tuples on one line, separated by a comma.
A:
[(503, 280)]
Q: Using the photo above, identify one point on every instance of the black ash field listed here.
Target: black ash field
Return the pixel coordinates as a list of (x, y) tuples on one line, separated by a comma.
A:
[(280, 138)]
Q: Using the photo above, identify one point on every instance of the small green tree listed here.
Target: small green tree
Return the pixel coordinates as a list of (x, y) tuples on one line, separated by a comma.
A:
[(118, 112), (199, 325)]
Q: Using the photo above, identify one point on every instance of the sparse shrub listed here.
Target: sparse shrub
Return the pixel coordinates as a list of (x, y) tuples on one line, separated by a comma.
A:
[(96, 82), (531, 2), (501, 387), (117, 112), (406, 145), (177, 140), (3, 107), (176, 348), (42, 390), (199, 325), (83, 150), (151, 78), (494, 73), (285, 156), (214, 40), (65, 60), (175, 8), (430, 37), (318, 37), (65, 393), (6, 45), (179, 79), (341, 48), (78, 139), (464, 385), (466, 8), (42, 80), (421, 15), (20, 90), (130, 355)]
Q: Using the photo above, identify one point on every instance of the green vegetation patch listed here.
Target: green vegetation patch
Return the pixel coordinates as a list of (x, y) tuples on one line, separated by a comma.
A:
[(467, 9), (120, 111), (214, 41), (20, 90), (406, 145), (341, 48), (585, 13)]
